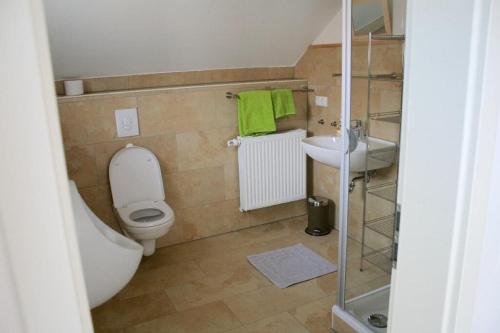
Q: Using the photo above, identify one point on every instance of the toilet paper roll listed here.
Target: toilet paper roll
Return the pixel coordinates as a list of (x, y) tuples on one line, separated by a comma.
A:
[(73, 87)]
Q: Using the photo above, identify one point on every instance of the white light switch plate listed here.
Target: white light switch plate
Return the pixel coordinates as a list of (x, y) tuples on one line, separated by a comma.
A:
[(126, 122), (321, 101)]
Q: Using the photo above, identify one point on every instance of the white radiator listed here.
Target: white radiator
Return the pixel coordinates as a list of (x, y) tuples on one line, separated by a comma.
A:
[(272, 169)]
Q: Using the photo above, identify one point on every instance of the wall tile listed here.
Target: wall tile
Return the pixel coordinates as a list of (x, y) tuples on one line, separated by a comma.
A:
[(211, 219), (319, 64), (205, 149), (91, 121), (193, 188), (81, 164), (188, 132), (177, 112), (105, 84), (231, 181), (278, 212)]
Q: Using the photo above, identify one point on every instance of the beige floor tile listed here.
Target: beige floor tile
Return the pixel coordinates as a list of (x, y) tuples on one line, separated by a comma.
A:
[(211, 318), (121, 313), (213, 288), (317, 315), (118, 330), (355, 277), (281, 323), (158, 279), (360, 289), (265, 302), (229, 282)]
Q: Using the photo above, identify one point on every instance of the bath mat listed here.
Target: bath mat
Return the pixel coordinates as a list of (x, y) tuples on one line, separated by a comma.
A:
[(291, 265)]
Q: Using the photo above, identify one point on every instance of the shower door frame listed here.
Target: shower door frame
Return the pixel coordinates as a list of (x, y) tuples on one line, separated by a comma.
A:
[(339, 308), (344, 168)]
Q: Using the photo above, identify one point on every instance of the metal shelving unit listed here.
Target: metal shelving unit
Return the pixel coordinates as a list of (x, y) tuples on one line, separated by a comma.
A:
[(384, 226)]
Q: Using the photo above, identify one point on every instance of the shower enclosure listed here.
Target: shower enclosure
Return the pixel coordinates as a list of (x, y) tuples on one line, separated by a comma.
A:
[(372, 90)]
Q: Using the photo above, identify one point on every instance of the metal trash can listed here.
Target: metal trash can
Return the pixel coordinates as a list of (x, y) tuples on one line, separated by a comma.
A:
[(319, 221)]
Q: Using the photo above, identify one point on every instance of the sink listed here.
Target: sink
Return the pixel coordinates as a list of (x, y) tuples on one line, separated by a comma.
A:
[(327, 150)]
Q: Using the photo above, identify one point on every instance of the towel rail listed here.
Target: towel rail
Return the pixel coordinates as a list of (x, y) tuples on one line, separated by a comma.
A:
[(230, 95)]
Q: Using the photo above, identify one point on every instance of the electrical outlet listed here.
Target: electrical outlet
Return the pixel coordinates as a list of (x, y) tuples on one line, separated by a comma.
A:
[(321, 101)]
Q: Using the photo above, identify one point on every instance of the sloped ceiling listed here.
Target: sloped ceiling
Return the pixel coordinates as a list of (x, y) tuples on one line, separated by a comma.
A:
[(93, 38)]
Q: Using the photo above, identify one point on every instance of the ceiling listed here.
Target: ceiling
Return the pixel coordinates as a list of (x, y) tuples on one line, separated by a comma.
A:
[(95, 38)]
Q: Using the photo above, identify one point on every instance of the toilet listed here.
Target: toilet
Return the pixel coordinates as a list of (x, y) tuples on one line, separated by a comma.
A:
[(138, 196)]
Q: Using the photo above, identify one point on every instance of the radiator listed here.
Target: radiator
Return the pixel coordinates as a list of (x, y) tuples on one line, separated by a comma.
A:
[(272, 169)]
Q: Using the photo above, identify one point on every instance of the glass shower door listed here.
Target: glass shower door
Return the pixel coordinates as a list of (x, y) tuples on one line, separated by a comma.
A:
[(372, 110)]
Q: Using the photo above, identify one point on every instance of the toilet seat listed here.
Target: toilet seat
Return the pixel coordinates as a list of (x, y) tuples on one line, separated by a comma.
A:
[(146, 214)]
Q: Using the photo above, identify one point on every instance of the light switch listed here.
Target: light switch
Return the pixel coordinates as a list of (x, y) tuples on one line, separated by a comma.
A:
[(321, 101), (126, 122)]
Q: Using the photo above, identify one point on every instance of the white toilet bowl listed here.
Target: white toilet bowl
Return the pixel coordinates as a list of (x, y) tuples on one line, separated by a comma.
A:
[(138, 196)]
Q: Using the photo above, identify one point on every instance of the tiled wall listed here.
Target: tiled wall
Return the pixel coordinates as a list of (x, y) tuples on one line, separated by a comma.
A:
[(181, 78), (317, 66), (187, 128)]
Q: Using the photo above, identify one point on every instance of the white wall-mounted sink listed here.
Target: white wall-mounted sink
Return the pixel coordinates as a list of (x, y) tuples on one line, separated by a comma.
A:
[(327, 150)]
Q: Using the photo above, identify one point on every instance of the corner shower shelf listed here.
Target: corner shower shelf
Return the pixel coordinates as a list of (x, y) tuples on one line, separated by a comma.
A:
[(381, 258), (386, 155), (383, 226), (386, 192)]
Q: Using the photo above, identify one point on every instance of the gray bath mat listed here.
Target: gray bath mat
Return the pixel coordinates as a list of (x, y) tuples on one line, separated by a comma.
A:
[(291, 265)]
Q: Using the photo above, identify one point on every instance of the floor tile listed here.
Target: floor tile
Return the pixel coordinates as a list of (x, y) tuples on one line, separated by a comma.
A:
[(281, 323), (265, 302), (317, 315), (216, 287), (120, 313), (158, 279), (210, 318), (209, 286)]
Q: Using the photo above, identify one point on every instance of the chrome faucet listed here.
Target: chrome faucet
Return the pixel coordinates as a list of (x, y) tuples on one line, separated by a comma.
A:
[(357, 129)]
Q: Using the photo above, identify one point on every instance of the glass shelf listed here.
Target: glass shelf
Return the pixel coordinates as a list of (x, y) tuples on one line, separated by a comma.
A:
[(388, 37), (386, 192), (390, 117), (386, 155), (381, 258), (383, 226), (394, 77)]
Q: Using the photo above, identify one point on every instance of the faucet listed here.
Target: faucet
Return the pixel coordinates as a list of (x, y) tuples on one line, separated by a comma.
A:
[(357, 129)]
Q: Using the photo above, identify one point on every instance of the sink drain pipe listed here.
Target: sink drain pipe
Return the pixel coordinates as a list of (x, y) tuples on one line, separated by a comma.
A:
[(352, 184)]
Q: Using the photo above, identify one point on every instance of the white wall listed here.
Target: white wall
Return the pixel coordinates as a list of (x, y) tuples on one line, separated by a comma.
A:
[(95, 38), (332, 34)]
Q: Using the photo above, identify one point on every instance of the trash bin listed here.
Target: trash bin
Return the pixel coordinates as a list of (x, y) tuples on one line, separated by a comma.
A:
[(319, 216)]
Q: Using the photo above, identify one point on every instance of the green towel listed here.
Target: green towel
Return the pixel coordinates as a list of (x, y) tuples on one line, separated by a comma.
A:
[(255, 113), (283, 103)]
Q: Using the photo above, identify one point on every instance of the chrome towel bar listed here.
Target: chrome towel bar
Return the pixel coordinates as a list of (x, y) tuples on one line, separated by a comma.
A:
[(230, 95)]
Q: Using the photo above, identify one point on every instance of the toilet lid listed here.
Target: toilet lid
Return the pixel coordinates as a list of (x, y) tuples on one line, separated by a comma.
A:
[(135, 175)]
